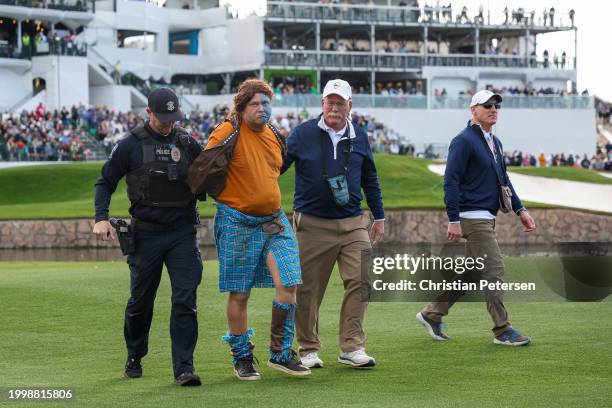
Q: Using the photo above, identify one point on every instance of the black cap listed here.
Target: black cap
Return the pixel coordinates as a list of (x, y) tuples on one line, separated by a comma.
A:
[(165, 105)]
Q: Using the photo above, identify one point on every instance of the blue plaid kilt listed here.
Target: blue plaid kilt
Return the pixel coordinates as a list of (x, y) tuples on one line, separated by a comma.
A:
[(243, 246)]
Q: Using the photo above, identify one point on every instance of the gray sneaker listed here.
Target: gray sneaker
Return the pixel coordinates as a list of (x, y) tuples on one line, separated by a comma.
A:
[(512, 338), (433, 328)]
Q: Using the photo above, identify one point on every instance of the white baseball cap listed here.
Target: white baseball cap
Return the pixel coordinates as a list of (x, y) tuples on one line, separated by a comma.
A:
[(483, 96), (338, 87)]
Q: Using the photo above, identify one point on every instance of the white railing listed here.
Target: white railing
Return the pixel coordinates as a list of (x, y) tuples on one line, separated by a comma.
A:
[(398, 61), (438, 102)]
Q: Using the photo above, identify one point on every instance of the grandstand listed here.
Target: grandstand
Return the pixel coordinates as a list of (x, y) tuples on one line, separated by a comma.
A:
[(90, 133), (410, 65)]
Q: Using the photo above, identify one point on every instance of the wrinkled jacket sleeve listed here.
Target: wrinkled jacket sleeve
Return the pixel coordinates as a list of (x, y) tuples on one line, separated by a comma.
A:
[(292, 150), (456, 164)]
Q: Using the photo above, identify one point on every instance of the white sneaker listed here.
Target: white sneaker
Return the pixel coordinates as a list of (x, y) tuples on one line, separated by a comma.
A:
[(357, 358), (312, 360)]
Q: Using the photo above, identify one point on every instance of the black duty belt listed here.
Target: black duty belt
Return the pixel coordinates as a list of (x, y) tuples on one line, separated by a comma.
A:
[(153, 226)]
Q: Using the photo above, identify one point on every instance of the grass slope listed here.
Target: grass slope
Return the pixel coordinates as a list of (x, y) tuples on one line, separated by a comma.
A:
[(62, 326), (563, 173), (67, 190)]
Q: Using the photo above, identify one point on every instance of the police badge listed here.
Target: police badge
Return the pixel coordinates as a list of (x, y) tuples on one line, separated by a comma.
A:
[(175, 153)]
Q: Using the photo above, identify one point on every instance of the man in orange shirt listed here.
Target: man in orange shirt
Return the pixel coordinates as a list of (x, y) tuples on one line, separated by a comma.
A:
[(255, 243)]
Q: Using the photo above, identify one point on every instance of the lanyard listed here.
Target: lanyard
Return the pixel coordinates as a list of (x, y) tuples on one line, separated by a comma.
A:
[(500, 179), (346, 152)]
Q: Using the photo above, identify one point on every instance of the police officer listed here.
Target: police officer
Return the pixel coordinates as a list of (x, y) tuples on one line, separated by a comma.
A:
[(155, 158)]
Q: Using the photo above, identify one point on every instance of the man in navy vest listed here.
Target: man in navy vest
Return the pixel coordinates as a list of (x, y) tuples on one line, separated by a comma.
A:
[(472, 197)]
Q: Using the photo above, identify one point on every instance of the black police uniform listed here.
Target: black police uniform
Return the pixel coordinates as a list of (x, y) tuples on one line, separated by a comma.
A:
[(164, 216)]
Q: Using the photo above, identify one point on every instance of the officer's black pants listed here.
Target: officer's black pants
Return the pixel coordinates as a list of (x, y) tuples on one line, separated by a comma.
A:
[(178, 249)]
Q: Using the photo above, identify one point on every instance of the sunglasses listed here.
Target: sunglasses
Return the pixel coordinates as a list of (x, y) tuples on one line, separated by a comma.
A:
[(490, 105)]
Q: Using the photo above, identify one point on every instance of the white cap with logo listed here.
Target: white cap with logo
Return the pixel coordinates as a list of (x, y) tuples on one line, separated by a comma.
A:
[(483, 96), (338, 87)]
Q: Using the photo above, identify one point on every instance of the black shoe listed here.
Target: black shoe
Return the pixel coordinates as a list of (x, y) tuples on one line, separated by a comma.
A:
[(292, 366), (133, 369), (187, 379), (245, 370), (433, 328)]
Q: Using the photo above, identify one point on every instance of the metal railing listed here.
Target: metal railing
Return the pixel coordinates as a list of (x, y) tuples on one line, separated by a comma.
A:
[(359, 101), (420, 101), (52, 47), (520, 102), (342, 12), (395, 61), (8, 50), (351, 13), (346, 60), (398, 60), (298, 58), (65, 5)]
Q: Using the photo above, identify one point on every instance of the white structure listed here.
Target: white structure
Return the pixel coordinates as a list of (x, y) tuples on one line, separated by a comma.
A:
[(200, 49)]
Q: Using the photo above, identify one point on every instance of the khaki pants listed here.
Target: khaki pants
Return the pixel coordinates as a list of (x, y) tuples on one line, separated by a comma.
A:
[(480, 235), (323, 242)]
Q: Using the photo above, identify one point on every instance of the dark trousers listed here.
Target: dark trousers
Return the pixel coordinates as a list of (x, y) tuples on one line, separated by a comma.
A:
[(178, 250)]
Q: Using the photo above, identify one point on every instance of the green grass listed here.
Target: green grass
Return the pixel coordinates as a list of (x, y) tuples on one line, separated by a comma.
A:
[(67, 190), (563, 173), (62, 326)]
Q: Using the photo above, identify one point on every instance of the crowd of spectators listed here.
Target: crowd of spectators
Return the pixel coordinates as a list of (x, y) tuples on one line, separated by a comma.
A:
[(517, 91), (410, 11), (287, 88), (63, 135), (78, 5), (382, 139), (529, 91), (602, 161), (415, 87), (44, 135), (406, 87), (54, 42)]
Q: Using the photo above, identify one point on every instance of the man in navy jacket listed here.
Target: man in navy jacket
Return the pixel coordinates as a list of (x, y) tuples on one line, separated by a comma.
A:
[(472, 197), (333, 162)]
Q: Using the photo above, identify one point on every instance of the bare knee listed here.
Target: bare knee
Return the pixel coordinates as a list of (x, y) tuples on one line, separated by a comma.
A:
[(286, 295), (240, 298)]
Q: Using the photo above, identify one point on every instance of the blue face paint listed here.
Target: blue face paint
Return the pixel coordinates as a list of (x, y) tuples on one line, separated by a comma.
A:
[(267, 108)]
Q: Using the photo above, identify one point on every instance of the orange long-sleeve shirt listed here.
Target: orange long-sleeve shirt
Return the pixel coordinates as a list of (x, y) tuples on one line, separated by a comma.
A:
[(252, 180)]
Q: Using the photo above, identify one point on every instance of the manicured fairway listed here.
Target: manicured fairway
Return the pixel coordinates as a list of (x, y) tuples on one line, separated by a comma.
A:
[(62, 326)]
